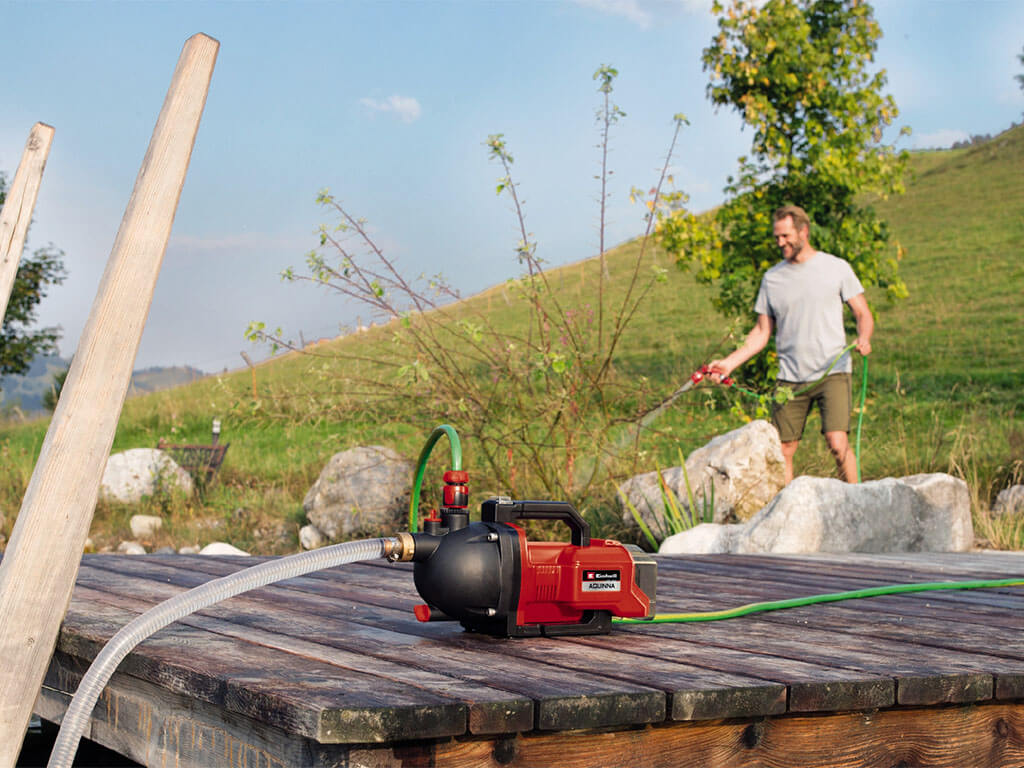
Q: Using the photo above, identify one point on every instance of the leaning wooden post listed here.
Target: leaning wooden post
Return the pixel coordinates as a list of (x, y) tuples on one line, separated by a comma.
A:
[(16, 214), (38, 571)]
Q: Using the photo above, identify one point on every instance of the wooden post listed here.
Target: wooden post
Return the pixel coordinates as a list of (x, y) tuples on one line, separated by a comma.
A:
[(38, 571), (16, 214)]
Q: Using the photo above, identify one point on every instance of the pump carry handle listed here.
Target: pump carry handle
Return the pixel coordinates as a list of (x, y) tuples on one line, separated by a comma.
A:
[(505, 510)]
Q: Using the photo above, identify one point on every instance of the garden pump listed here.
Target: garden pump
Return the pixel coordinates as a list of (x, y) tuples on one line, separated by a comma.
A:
[(487, 576)]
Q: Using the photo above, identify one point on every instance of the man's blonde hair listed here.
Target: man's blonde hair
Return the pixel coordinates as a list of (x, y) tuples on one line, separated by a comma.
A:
[(799, 216)]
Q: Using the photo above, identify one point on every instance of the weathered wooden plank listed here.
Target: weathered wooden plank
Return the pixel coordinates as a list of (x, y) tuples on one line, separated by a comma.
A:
[(734, 588), (158, 727), (562, 700), (250, 679), (988, 736), (490, 710), (19, 203), (923, 676), (37, 574)]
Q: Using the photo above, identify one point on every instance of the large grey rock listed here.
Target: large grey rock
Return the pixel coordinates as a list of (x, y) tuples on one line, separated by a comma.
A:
[(1009, 500), (741, 471), (361, 489), (920, 513), (139, 472)]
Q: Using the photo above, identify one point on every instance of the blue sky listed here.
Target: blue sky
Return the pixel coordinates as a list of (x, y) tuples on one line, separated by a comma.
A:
[(389, 104)]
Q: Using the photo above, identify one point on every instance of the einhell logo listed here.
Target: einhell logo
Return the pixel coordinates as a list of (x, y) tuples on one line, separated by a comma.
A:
[(602, 581)]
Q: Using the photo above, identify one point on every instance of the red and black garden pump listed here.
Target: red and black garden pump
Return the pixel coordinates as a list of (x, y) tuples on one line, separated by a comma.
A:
[(487, 576)]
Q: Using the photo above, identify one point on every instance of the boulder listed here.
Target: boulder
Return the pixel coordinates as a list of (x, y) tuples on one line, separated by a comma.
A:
[(703, 539), (311, 537), (1010, 500), (144, 526), (131, 548), (139, 472), (740, 471), (189, 550), (364, 489), (920, 513), (221, 548)]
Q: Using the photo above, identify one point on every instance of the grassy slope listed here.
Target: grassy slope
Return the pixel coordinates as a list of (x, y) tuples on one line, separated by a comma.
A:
[(942, 376)]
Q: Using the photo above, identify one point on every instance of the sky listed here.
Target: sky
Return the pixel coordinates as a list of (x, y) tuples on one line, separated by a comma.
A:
[(389, 105)]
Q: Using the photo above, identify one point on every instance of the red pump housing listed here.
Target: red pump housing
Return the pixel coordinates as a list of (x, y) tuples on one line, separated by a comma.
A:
[(490, 578)]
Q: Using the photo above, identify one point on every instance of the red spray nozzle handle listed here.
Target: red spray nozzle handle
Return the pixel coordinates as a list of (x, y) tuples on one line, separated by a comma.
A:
[(699, 375)]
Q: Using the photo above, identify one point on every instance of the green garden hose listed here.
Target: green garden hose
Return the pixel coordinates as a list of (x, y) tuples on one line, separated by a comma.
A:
[(421, 466), (832, 597)]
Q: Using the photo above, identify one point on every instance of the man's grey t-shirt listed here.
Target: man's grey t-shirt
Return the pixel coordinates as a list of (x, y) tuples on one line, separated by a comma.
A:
[(806, 302)]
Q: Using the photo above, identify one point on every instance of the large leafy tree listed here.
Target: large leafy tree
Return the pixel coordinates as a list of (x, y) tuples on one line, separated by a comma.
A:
[(799, 74), (19, 341)]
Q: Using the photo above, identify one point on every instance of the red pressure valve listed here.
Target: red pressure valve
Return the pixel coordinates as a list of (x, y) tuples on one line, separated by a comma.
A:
[(456, 490)]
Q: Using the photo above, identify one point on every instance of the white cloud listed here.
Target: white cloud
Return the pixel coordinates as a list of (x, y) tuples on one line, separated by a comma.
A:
[(405, 108), (939, 139), (643, 12)]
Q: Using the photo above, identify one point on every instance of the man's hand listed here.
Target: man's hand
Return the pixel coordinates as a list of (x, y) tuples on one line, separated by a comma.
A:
[(718, 370), (864, 346)]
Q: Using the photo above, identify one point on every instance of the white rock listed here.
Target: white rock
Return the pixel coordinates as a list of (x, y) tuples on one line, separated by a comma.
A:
[(131, 548), (144, 526), (132, 474), (1010, 500), (703, 539), (221, 548), (311, 537), (920, 513), (188, 551), (928, 513)]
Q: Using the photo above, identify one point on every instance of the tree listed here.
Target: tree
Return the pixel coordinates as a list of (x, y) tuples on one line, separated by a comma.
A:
[(19, 343), (1020, 78), (797, 71)]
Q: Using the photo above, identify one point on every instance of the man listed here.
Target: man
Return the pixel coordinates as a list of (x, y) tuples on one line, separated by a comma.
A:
[(801, 299)]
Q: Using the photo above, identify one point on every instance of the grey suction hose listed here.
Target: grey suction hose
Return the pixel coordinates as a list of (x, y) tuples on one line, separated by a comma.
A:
[(159, 616)]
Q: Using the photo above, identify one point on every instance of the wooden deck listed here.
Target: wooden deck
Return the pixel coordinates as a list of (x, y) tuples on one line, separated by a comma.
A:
[(333, 670)]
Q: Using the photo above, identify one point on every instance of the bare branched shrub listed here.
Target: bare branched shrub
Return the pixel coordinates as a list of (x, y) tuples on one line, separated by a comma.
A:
[(532, 386)]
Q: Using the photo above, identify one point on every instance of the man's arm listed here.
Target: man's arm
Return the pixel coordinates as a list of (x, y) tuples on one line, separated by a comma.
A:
[(754, 343), (865, 323)]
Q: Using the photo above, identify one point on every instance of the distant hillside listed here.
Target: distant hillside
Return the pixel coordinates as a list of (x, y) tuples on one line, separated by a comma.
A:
[(26, 392)]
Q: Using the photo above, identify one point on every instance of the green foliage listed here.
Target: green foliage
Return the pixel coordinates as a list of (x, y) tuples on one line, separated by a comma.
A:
[(52, 395), (671, 517), (1020, 78), (797, 72), (19, 343)]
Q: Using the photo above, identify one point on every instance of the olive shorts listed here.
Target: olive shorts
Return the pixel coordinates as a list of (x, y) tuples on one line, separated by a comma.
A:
[(832, 395)]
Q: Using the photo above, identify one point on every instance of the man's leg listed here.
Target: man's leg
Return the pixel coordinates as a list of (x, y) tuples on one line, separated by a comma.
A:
[(835, 402), (788, 451), (846, 461), (789, 419)]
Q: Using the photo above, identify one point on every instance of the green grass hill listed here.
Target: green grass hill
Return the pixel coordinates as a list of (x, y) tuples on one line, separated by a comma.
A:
[(944, 388)]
